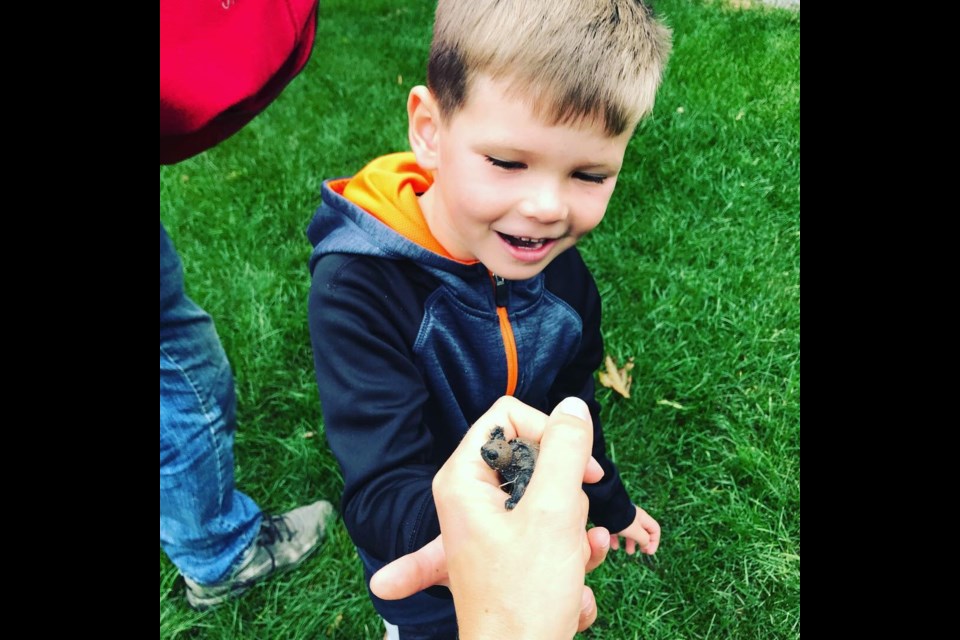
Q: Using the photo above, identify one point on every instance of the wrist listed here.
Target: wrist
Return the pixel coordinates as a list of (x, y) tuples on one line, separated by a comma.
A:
[(495, 619), (492, 626)]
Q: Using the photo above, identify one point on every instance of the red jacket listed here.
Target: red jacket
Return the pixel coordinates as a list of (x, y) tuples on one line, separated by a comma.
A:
[(222, 62)]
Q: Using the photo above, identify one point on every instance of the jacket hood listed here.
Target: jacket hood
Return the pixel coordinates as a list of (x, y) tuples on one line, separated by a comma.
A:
[(377, 213)]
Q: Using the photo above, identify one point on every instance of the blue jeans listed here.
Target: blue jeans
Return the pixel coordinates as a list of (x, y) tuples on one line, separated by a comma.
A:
[(205, 524)]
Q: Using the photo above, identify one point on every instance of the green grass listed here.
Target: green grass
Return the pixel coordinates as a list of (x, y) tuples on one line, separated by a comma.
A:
[(698, 261)]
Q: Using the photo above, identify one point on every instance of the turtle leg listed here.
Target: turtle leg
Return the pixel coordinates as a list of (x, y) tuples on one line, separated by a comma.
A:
[(519, 487)]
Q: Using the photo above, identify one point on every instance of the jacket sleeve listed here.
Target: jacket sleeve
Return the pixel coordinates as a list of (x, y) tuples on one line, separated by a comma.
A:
[(610, 506), (363, 321)]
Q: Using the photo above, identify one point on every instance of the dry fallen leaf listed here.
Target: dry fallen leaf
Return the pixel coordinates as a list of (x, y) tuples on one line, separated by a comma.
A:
[(617, 379)]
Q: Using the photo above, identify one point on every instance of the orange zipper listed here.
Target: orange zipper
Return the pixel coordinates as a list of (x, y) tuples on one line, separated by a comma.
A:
[(509, 342)]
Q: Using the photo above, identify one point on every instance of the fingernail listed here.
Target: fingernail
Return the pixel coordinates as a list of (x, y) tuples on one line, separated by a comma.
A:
[(575, 407)]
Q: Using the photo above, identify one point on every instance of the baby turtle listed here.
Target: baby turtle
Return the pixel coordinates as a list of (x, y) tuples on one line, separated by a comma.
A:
[(513, 460)]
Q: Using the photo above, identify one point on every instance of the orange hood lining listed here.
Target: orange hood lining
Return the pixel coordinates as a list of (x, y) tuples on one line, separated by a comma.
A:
[(387, 188)]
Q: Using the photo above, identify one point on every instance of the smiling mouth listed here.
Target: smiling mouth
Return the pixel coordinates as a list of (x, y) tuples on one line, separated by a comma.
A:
[(525, 243)]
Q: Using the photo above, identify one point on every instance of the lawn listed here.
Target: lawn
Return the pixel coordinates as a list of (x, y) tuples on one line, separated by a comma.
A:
[(698, 262)]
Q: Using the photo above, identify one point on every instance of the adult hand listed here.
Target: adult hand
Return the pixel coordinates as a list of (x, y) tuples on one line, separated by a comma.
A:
[(507, 569)]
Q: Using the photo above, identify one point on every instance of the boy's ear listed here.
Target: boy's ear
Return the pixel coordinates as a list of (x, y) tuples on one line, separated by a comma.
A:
[(423, 121)]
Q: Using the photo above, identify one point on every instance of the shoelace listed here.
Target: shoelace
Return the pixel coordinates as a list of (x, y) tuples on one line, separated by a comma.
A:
[(272, 530)]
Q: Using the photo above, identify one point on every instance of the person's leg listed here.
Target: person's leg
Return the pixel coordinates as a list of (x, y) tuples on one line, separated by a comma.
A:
[(215, 535), (206, 526)]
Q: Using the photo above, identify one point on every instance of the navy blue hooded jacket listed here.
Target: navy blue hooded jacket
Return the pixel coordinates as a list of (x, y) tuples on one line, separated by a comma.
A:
[(409, 351)]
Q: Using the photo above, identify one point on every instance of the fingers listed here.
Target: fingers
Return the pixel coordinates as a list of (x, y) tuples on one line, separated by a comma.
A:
[(614, 542), (651, 548), (507, 412), (465, 463), (652, 527), (411, 573), (599, 539), (588, 609), (523, 421), (516, 418)]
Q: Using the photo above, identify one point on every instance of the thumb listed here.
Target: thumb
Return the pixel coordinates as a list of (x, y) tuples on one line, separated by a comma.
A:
[(411, 573), (573, 406), (564, 452)]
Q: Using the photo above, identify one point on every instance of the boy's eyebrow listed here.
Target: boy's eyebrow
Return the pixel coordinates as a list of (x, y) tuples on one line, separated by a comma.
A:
[(505, 148)]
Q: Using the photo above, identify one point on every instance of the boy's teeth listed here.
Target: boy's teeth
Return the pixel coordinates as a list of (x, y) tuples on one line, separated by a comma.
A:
[(524, 242), (529, 243)]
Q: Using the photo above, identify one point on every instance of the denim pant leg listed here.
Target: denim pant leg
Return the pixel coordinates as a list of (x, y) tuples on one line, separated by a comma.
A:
[(205, 525)]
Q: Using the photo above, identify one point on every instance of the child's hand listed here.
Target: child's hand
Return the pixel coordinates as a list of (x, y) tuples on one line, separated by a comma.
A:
[(643, 532)]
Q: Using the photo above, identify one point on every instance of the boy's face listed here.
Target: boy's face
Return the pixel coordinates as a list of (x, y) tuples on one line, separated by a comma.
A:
[(513, 191)]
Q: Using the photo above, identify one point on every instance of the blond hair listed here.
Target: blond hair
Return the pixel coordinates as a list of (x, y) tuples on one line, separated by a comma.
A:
[(596, 60)]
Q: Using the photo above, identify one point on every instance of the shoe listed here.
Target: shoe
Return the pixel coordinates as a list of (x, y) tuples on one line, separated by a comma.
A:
[(284, 542)]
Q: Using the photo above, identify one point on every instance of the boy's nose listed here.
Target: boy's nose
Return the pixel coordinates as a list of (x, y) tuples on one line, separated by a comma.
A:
[(544, 205)]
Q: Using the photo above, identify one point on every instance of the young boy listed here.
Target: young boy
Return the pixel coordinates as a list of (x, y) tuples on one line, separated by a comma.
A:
[(447, 277)]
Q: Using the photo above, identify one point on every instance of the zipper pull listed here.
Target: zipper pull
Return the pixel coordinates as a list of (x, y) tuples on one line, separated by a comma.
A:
[(500, 290)]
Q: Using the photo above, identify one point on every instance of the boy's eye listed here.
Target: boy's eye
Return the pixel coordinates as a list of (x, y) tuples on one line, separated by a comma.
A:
[(589, 177), (505, 164)]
